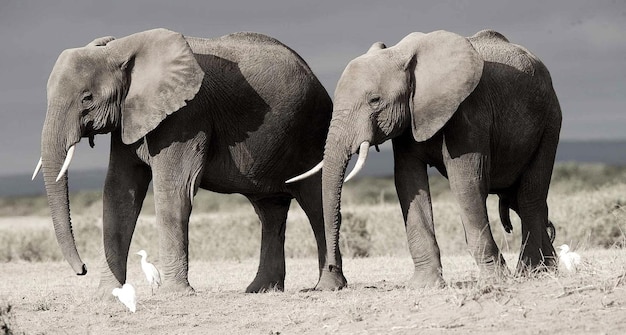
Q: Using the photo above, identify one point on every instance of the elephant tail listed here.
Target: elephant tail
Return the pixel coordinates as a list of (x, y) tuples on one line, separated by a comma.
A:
[(503, 207), (551, 231)]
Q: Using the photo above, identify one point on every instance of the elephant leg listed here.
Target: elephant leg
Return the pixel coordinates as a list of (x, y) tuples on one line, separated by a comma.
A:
[(411, 181), (124, 191), (468, 175), (173, 208), (537, 249), (308, 193), (176, 170), (272, 212)]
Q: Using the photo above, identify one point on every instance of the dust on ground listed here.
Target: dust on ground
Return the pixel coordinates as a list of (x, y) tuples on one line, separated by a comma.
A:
[(47, 298)]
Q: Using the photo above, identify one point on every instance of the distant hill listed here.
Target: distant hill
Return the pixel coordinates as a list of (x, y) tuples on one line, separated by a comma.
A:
[(604, 152), (607, 152), (79, 180), (378, 164)]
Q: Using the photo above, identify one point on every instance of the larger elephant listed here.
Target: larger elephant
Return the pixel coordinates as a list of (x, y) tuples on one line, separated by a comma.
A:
[(481, 110), (235, 114)]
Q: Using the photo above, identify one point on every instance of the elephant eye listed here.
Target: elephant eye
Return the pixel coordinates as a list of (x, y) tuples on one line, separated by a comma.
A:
[(87, 99), (374, 101)]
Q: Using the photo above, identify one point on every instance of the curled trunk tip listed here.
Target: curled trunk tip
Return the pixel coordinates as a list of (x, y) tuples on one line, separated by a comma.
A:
[(82, 271)]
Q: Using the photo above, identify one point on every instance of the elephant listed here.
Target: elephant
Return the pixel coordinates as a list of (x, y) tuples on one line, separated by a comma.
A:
[(481, 110), (233, 114)]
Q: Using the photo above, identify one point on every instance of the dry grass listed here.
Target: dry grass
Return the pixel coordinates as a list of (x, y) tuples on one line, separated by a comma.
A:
[(225, 226)]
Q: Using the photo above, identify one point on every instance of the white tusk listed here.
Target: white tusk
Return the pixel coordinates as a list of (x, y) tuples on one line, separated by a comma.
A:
[(36, 169), (363, 149), (308, 173), (66, 163)]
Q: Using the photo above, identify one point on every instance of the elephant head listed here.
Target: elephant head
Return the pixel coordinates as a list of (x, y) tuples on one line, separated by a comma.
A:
[(129, 84), (419, 83)]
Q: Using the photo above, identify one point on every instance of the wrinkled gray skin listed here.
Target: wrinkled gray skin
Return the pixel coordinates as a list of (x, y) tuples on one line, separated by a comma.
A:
[(481, 110), (236, 114)]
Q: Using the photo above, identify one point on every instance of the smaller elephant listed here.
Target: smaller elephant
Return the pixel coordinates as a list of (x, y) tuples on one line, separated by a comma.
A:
[(481, 110), (234, 114)]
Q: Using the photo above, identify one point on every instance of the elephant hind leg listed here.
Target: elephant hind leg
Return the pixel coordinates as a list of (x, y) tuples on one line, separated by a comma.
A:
[(537, 250), (272, 211)]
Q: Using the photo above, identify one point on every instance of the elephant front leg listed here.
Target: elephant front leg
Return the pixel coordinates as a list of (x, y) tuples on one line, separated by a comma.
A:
[(468, 177), (272, 212), (124, 191), (173, 202), (411, 182)]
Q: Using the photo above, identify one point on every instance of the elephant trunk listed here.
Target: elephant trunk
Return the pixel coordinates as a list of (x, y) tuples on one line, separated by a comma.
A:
[(54, 145), (337, 155)]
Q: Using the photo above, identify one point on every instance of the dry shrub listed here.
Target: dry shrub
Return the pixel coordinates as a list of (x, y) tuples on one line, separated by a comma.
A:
[(32, 245), (586, 205), (593, 218), (357, 240), (225, 236)]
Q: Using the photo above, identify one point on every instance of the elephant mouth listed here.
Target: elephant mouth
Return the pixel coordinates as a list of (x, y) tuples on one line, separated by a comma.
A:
[(90, 128), (92, 143), (90, 132)]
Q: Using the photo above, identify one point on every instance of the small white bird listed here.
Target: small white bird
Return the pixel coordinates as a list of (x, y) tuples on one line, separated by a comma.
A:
[(127, 296), (569, 259), (152, 274)]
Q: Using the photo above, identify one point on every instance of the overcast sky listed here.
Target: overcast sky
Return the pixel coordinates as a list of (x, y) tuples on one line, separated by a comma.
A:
[(583, 44)]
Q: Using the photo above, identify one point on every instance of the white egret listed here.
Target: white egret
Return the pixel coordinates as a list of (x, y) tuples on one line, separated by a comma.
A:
[(569, 259), (127, 296), (152, 274)]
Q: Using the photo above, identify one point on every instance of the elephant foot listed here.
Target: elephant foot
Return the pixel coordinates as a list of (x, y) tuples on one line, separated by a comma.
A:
[(526, 265), (430, 279), (494, 272), (105, 290), (534, 259), (262, 285), (178, 288), (105, 294), (331, 279)]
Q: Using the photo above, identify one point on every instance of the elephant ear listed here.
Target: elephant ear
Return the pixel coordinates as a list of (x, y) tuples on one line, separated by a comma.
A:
[(101, 41), (164, 75), (446, 70)]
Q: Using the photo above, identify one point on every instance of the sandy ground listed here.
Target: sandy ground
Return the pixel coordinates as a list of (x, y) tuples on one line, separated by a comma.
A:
[(46, 298)]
